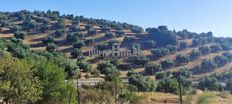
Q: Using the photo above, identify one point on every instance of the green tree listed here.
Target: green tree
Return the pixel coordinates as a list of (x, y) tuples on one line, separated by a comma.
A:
[(228, 55), (84, 66), (48, 40), (172, 49), (210, 83), (20, 35), (78, 44), (140, 60), (109, 70), (110, 35), (150, 44), (194, 54), (55, 88), (204, 50), (51, 47), (142, 83), (181, 59), (221, 60), (76, 53), (152, 68), (183, 45), (70, 68), (18, 84), (160, 52), (168, 85), (215, 48), (167, 64), (208, 65)]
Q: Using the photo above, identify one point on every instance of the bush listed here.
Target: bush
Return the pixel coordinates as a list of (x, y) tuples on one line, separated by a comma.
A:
[(109, 35), (89, 42), (92, 32), (58, 33), (88, 27), (225, 47), (71, 38), (73, 28), (208, 65), (210, 83), (181, 59), (221, 60), (119, 33), (167, 64), (183, 45), (20, 35), (15, 28), (76, 53), (185, 73), (78, 44), (84, 66), (115, 61), (194, 54), (204, 50), (228, 55), (149, 44), (215, 48), (109, 70), (172, 49), (160, 52), (160, 75), (168, 85), (162, 36), (48, 39), (152, 68), (103, 46), (140, 60), (51, 47), (95, 73), (142, 83)]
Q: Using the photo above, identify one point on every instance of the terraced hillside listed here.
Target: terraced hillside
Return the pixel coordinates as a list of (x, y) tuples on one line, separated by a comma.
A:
[(159, 45)]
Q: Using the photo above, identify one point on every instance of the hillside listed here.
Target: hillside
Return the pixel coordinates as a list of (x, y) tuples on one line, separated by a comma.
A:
[(95, 30), (144, 55)]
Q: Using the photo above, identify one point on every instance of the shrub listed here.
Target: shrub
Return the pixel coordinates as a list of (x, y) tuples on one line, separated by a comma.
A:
[(58, 33), (208, 65), (221, 60), (76, 53), (183, 45), (160, 75), (172, 49), (167, 64), (84, 66), (140, 60), (160, 52), (215, 48), (51, 47), (204, 50), (92, 32), (109, 35), (168, 85), (181, 59), (78, 44), (194, 54), (152, 68), (150, 44), (20, 35), (48, 39), (228, 55), (142, 83)]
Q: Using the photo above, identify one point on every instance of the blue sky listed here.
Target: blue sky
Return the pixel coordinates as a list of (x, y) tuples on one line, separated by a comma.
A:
[(194, 15)]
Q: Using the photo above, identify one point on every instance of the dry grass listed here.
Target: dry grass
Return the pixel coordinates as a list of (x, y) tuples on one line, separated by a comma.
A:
[(6, 35), (158, 98)]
